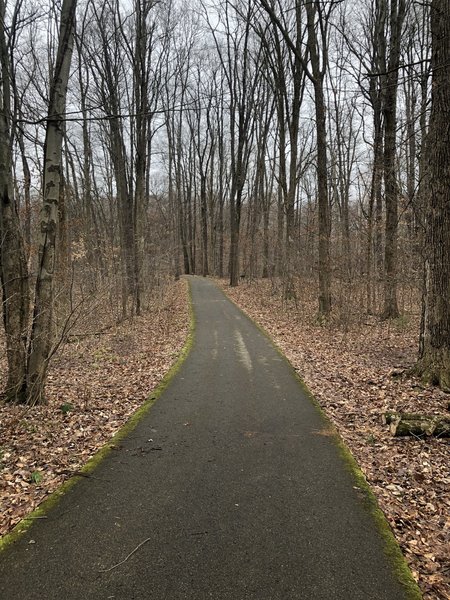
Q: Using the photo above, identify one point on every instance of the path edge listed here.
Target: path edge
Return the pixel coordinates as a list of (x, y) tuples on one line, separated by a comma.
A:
[(391, 547), (53, 499)]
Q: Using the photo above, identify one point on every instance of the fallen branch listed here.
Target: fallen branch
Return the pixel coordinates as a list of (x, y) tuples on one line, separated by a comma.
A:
[(125, 559), (414, 424), (70, 473), (80, 336)]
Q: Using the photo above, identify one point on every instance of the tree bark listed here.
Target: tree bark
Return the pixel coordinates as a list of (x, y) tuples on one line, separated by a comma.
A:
[(13, 261), (142, 122), (391, 190), (318, 74), (42, 333), (434, 351), (324, 208)]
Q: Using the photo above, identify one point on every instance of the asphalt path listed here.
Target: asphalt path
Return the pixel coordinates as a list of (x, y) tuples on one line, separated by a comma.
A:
[(230, 488)]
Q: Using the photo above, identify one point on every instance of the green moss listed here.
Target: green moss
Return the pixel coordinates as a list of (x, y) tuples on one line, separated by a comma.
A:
[(41, 511), (390, 545), (401, 323)]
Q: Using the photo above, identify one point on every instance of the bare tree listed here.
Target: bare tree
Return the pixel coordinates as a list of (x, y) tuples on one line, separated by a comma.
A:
[(202, 134), (288, 77), (397, 10), (241, 80), (317, 25), (43, 329), (344, 139), (434, 352), (366, 40), (14, 272)]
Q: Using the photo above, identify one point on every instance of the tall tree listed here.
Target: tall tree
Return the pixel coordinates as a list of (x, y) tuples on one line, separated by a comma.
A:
[(318, 16), (43, 328), (141, 76), (288, 78), (434, 351), (317, 21), (238, 69), (397, 10), (109, 71), (366, 42), (13, 263)]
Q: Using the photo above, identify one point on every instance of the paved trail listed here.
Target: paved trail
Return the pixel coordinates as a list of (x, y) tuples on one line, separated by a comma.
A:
[(229, 481)]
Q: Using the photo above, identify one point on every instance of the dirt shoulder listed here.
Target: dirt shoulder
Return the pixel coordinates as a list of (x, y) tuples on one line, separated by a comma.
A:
[(349, 370), (94, 385)]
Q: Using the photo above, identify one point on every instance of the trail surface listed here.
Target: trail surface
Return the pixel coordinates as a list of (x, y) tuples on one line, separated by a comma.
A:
[(228, 489)]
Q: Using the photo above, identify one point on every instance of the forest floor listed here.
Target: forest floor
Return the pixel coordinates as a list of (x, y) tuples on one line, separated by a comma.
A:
[(95, 383), (348, 366)]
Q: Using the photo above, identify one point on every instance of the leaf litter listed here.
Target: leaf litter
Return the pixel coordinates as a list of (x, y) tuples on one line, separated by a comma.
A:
[(98, 381), (94, 385), (355, 371)]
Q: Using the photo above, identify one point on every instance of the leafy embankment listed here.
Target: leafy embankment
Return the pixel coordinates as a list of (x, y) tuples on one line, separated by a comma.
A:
[(355, 373), (95, 384)]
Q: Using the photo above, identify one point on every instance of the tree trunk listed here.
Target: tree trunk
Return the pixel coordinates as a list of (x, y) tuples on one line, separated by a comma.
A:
[(204, 225), (87, 208), (418, 425), (374, 254), (173, 212), (13, 262), (391, 190), (42, 333), (434, 352), (235, 220), (318, 74), (26, 192), (142, 123), (390, 309), (324, 208), (378, 68)]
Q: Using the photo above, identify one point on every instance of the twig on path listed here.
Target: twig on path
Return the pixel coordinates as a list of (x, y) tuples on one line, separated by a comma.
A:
[(70, 473), (125, 559)]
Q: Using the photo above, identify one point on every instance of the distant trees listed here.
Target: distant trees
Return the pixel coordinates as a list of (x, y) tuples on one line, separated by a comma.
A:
[(239, 62), (313, 17), (278, 138)]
